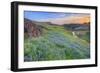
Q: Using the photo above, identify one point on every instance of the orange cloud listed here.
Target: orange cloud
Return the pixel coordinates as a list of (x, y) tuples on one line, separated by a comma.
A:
[(80, 20), (72, 19)]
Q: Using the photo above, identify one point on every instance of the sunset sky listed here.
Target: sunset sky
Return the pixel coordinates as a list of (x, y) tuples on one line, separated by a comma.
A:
[(59, 18)]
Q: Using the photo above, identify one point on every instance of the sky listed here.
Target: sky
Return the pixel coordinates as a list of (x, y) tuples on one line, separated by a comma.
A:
[(57, 17)]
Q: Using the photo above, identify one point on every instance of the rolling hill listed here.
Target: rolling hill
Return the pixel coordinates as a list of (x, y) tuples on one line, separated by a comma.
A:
[(55, 43)]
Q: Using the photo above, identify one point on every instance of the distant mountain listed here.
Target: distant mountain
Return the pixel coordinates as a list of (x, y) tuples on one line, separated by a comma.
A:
[(76, 27), (38, 26)]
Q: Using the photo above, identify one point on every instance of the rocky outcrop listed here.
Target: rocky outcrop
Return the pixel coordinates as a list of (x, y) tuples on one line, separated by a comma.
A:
[(31, 29)]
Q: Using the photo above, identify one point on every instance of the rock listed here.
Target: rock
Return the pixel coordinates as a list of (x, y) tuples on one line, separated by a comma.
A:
[(31, 29)]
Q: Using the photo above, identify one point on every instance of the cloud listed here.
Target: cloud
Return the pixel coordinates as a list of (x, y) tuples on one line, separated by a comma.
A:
[(80, 19), (57, 17)]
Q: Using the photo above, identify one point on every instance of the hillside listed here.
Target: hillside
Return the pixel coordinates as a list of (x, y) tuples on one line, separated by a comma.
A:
[(55, 43), (31, 29)]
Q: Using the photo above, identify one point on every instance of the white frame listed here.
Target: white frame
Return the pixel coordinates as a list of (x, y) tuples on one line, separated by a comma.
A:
[(23, 64)]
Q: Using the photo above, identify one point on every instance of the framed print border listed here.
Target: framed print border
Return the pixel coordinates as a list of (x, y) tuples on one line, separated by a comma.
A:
[(15, 31)]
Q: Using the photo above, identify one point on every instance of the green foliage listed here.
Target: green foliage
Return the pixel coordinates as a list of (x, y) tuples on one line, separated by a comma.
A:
[(86, 37), (56, 43)]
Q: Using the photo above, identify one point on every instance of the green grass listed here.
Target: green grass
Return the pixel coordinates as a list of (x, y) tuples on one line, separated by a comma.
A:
[(55, 43)]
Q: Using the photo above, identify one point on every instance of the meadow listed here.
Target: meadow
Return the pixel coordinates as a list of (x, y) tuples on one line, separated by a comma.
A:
[(56, 43)]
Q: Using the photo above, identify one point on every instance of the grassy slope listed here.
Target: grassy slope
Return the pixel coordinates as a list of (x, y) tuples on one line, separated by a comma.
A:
[(55, 43)]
